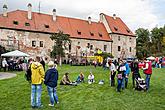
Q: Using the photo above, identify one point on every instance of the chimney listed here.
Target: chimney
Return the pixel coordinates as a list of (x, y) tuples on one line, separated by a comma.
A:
[(101, 17), (29, 11), (89, 20), (114, 16), (54, 15), (5, 10)]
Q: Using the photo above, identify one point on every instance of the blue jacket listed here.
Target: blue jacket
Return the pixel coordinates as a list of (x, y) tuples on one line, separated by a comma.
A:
[(51, 77), (127, 69)]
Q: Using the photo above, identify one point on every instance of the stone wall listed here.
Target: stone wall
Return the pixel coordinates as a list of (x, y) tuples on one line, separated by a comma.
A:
[(22, 40), (125, 43)]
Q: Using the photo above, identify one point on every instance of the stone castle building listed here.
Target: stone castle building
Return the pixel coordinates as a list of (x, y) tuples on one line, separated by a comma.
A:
[(30, 32)]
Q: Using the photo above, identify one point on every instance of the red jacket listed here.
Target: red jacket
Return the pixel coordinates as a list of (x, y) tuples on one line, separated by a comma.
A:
[(149, 70)]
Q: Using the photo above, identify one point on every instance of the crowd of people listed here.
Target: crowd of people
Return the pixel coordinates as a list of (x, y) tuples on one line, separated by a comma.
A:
[(120, 71)]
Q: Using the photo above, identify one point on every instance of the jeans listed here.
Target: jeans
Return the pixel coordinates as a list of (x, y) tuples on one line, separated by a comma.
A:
[(124, 82), (36, 90), (119, 84), (52, 94), (148, 76)]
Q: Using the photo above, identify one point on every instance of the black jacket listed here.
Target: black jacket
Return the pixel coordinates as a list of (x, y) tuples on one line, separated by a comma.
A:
[(51, 77)]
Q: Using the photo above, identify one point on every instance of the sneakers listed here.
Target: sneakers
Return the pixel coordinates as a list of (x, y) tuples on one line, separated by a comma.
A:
[(58, 102), (51, 105)]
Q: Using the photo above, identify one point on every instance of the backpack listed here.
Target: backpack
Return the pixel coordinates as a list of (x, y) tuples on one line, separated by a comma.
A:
[(28, 74)]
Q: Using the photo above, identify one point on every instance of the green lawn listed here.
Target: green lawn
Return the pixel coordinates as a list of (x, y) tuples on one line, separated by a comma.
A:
[(15, 93)]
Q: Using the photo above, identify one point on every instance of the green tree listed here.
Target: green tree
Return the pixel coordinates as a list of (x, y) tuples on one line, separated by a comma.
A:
[(157, 38), (2, 50), (143, 43), (60, 41)]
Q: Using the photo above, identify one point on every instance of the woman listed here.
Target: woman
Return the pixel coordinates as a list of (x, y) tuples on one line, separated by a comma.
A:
[(121, 70), (51, 78), (65, 80), (80, 78)]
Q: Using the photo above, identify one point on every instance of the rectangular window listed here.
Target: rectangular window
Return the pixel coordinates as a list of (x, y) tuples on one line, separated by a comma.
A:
[(15, 22), (130, 49), (46, 26), (130, 39), (91, 47), (33, 43), (88, 45), (27, 24), (118, 38), (119, 48), (78, 32), (41, 44), (70, 47), (100, 35), (105, 48)]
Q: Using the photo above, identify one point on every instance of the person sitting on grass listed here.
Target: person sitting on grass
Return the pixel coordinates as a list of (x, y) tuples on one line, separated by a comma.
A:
[(80, 78), (66, 81), (51, 78), (91, 78)]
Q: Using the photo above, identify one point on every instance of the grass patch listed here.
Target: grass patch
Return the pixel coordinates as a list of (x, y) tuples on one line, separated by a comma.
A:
[(15, 93)]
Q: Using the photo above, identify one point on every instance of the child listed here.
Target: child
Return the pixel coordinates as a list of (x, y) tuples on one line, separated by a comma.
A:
[(91, 78), (51, 78)]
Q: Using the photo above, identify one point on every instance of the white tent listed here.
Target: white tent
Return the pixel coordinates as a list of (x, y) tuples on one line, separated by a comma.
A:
[(15, 53), (151, 58)]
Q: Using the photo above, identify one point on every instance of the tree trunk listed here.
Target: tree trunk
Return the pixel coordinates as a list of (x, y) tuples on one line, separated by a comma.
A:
[(60, 61)]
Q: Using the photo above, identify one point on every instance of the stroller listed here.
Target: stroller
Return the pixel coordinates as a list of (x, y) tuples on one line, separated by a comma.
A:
[(140, 84)]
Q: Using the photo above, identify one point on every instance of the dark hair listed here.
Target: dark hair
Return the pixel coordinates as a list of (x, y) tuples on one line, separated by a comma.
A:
[(38, 58), (66, 73)]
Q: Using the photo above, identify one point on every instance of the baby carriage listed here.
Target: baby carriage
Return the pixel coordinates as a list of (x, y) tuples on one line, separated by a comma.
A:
[(140, 84)]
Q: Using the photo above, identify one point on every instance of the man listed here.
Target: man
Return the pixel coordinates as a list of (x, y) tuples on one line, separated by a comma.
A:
[(37, 79), (147, 69), (43, 63), (135, 71), (126, 74), (112, 73)]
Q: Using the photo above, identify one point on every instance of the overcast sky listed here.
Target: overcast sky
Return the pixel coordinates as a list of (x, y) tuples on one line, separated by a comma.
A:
[(135, 13)]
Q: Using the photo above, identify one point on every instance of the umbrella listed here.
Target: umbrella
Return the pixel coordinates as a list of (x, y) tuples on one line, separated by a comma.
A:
[(151, 58), (15, 53)]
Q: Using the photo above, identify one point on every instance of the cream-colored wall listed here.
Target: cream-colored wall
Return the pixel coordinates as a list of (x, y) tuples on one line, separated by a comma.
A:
[(125, 43), (84, 42), (23, 41)]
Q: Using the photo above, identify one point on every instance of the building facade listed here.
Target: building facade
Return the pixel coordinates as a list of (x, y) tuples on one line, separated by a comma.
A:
[(30, 32)]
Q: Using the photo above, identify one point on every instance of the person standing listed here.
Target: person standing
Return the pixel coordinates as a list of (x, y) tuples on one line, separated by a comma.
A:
[(147, 69), (4, 64), (37, 78), (125, 75), (51, 78), (43, 63), (135, 71), (112, 73), (121, 70)]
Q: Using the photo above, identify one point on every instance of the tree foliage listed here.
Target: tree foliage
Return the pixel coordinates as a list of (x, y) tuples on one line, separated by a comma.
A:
[(2, 50), (60, 41), (150, 42)]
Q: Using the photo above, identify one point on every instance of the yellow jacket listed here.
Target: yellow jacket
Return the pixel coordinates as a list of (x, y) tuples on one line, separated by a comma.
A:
[(37, 73)]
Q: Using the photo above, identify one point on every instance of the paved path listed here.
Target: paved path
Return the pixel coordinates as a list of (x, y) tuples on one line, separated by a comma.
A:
[(6, 75)]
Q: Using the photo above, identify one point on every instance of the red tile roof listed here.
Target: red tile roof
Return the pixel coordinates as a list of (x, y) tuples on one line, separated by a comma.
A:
[(68, 25), (118, 26)]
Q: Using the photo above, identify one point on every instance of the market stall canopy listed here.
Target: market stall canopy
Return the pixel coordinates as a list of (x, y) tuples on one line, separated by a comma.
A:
[(151, 58), (15, 53)]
